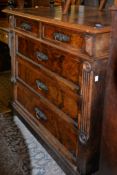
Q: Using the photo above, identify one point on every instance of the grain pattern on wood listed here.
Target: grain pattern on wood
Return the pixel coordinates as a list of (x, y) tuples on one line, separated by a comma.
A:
[(66, 65), (62, 36), (90, 121), (52, 89), (68, 53), (109, 139), (66, 134), (84, 21)]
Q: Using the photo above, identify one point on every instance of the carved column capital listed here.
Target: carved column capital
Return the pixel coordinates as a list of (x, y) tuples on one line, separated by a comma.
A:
[(87, 66)]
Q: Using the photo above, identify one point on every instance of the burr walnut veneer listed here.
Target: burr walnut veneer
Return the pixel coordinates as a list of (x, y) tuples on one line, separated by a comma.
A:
[(58, 72)]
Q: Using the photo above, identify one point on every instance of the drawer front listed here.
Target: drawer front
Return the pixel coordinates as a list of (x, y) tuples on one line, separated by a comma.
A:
[(4, 36), (62, 129), (64, 37), (27, 25), (59, 94), (62, 63)]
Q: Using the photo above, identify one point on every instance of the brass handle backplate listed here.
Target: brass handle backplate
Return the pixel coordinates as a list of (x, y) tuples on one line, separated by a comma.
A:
[(26, 26), (41, 85), (61, 37), (41, 56)]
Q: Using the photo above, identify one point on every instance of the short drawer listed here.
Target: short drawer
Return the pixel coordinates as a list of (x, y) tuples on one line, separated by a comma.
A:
[(62, 63), (53, 89), (27, 25), (64, 37), (42, 113)]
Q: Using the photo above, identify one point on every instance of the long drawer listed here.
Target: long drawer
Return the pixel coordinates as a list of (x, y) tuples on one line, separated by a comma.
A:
[(63, 63), (43, 114), (50, 87)]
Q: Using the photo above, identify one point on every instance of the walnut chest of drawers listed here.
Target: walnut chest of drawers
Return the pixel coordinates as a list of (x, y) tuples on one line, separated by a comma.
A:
[(58, 72)]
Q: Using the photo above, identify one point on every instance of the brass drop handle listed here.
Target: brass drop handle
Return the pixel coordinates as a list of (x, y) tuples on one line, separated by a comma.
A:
[(41, 56), (41, 85), (61, 37), (26, 26), (40, 114)]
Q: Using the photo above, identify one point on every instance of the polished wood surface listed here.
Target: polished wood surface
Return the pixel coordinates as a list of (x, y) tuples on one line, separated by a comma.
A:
[(53, 121), (108, 164), (55, 59), (60, 95), (32, 26), (73, 40), (58, 73), (80, 18)]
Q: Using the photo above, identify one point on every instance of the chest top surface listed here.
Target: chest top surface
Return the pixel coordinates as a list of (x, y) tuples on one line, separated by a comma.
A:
[(81, 18)]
